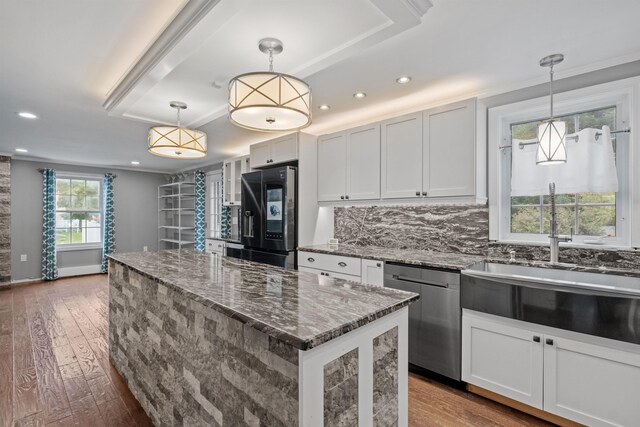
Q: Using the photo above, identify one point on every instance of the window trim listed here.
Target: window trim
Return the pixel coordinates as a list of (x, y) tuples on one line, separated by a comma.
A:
[(90, 245), (619, 94)]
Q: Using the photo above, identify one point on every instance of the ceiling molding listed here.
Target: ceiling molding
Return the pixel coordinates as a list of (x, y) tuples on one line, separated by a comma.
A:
[(89, 165), (184, 21)]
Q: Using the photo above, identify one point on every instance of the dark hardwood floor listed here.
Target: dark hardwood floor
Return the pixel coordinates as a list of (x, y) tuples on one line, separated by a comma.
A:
[(55, 370)]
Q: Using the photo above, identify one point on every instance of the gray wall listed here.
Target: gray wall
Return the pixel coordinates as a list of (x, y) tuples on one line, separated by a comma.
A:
[(136, 215)]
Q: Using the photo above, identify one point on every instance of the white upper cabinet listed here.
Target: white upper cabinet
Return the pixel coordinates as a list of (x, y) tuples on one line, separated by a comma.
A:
[(363, 163), (449, 135), (279, 150), (332, 167), (401, 169), (349, 164), (232, 173)]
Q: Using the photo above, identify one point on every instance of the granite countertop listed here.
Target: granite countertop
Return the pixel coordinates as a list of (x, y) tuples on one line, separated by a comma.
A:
[(302, 309), (446, 260)]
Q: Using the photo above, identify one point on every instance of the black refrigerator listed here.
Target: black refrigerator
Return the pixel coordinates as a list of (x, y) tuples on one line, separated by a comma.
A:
[(268, 217)]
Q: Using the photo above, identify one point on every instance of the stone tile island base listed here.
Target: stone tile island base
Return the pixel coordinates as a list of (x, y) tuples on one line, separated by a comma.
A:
[(189, 364)]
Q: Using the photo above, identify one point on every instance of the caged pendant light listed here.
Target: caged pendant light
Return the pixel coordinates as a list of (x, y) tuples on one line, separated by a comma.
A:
[(269, 101), (551, 133), (175, 141)]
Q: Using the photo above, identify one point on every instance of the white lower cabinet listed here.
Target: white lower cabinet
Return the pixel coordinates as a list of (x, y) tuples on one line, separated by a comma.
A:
[(593, 384), (215, 246), (356, 269)]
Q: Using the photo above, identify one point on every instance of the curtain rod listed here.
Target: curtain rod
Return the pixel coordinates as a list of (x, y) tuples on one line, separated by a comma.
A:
[(574, 137)]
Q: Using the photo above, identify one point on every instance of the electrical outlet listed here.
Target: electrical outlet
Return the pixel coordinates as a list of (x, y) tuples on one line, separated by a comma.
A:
[(144, 249), (23, 258)]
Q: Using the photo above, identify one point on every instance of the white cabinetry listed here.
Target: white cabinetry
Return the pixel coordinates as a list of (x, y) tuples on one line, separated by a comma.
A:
[(582, 378), (232, 175), (401, 169), (449, 135), (349, 164), (359, 270), (215, 246), (279, 150)]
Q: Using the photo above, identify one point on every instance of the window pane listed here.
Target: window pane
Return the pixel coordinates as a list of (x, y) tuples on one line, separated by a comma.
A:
[(93, 219), (525, 130), (597, 220), (77, 202), (93, 234), (63, 202), (93, 188), (76, 235), (598, 118), (525, 200), (566, 219), (77, 187), (93, 202), (63, 220), (597, 198), (525, 220), (561, 199), (570, 121), (63, 236), (63, 186)]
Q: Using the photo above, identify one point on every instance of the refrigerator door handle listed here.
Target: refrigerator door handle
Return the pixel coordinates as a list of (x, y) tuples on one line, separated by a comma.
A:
[(247, 227)]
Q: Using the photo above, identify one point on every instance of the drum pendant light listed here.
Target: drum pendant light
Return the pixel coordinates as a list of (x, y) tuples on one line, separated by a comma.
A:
[(551, 133), (269, 101), (175, 141)]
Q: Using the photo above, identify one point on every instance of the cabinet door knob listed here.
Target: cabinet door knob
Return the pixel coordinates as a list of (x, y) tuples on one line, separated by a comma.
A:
[(311, 259), (424, 193), (346, 197), (536, 338), (549, 341), (417, 193), (342, 264), (342, 197), (378, 264)]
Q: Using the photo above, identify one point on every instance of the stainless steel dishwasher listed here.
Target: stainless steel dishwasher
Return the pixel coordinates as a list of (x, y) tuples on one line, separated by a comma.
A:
[(434, 320)]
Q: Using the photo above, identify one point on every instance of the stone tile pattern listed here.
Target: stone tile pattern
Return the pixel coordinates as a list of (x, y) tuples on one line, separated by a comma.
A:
[(301, 309), (189, 364), (445, 228), (583, 257), (5, 221), (385, 379), (341, 391)]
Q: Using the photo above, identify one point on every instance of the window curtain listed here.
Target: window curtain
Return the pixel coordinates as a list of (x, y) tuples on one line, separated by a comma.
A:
[(49, 261), (108, 220), (200, 215), (225, 215)]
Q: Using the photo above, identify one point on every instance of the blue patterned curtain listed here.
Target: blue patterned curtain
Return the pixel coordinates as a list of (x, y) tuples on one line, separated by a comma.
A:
[(49, 262), (225, 216), (200, 221), (108, 220)]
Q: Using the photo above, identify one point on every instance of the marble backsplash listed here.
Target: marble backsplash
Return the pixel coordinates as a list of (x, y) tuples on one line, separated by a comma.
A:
[(5, 220), (446, 228)]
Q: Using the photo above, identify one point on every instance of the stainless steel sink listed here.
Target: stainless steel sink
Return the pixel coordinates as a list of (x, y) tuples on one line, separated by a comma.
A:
[(557, 277), (593, 303)]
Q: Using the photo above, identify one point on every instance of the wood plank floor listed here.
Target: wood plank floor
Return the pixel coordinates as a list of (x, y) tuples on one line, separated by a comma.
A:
[(55, 370)]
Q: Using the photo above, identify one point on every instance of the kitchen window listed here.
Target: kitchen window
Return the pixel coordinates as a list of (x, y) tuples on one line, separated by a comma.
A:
[(78, 212), (596, 218), (214, 204)]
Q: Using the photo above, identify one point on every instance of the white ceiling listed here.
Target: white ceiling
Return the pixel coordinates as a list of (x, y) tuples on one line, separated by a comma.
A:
[(59, 61)]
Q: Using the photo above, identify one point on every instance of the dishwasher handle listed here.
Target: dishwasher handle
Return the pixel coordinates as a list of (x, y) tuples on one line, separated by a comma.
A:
[(419, 281)]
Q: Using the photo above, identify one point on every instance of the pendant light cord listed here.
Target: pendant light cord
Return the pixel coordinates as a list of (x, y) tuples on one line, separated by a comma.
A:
[(551, 89), (180, 109), (271, 60)]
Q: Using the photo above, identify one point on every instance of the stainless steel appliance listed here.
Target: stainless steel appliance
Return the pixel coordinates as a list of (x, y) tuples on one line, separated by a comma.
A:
[(434, 320), (268, 217)]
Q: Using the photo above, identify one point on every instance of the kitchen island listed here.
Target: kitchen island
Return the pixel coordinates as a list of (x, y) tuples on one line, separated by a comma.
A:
[(209, 340)]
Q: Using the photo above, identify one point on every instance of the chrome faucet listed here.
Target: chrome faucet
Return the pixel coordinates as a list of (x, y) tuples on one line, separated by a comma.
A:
[(554, 237)]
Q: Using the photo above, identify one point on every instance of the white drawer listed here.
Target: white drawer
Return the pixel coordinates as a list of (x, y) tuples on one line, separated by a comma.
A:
[(215, 246), (332, 263), (331, 274)]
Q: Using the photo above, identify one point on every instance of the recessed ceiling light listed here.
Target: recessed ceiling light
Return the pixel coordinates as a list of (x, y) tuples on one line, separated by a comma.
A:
[(403, 80), (135, 162), (359, 95), (22, 150), (27, 115), (324, 107)]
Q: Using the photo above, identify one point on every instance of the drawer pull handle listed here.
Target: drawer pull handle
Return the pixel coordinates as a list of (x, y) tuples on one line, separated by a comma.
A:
[(417, 193), (311, 259), (342, 264), (536, 339), (549, 341)]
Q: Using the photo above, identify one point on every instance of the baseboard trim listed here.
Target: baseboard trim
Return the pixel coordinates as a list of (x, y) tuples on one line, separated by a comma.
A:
[(538, 413), (82, 270)]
